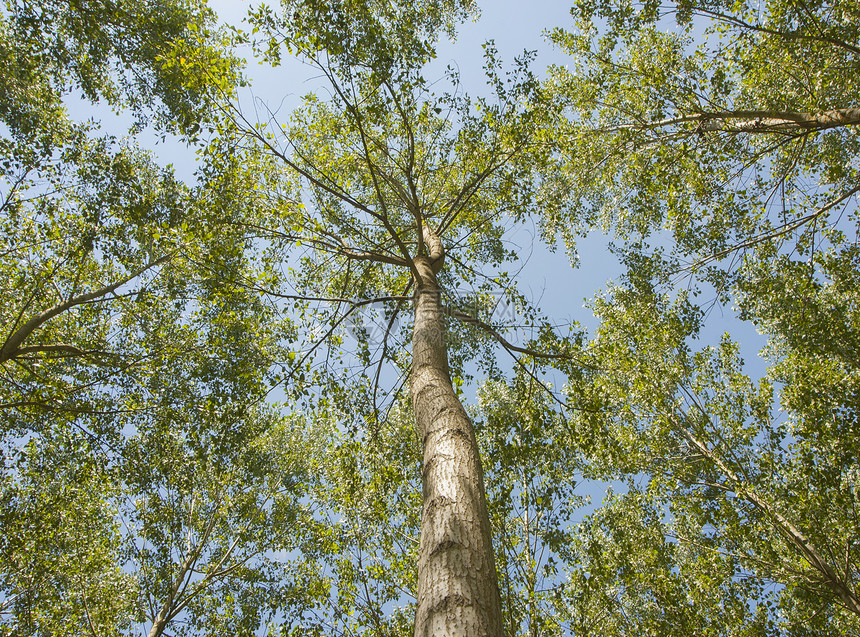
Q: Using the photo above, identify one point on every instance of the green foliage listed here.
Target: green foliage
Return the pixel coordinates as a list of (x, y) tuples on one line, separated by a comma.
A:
[(157, 57), (658, 583), (379, 41), (727, 476), (90, 222), (699, 127), (149, 478), (531, 479), (132, 341), (61, 541), (367, 500), (217, 506), (717, 132)]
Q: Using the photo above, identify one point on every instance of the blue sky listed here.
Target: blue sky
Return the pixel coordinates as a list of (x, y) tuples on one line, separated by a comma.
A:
[(546, 276)]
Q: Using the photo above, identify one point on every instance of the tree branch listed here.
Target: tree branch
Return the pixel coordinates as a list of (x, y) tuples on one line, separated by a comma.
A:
[(778, 232), (471, 320), (752, 121), (341, 248), (13, 343), (795, 537), (788, 35), (57, 348)]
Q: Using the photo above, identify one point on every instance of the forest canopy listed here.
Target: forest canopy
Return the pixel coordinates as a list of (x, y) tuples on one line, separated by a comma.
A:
[(298, 383)]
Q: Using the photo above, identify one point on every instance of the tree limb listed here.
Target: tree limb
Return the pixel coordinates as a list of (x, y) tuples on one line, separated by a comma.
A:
[(56, 348), (471, 320), (778, 232), (794, 536), (753, 121), (788, 35), (13, 342)]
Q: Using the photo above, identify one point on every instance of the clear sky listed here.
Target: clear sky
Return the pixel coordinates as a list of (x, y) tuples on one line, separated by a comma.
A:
[(547, 277)]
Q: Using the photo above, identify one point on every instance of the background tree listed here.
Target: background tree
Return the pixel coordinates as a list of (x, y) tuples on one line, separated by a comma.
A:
[(121, 313), (748, 136), (152, 320), (61, 572), (90, 220), (531, 485), (734, 156)]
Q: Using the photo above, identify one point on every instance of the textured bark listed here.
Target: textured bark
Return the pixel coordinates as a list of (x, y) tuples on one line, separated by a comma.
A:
[(767, 121), (458, 590), (755, 121)]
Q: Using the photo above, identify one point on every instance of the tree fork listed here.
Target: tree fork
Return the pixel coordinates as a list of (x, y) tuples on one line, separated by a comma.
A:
[(458, 593)]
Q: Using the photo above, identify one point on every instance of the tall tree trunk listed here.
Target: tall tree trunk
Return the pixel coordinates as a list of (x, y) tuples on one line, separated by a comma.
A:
[(458, 593)]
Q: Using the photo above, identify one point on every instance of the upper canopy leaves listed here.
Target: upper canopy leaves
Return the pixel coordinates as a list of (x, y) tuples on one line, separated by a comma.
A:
[(382, 157), (731, 134)]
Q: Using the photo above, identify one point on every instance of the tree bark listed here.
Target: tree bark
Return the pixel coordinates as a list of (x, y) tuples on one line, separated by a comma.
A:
[(458, 593), (774, 121), (755, 121)]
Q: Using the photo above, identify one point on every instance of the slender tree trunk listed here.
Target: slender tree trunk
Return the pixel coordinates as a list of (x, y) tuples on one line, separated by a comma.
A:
[(458, 593), (160, 621)]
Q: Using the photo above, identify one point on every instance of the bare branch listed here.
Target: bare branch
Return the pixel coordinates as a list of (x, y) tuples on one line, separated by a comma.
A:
[(471, 320), (778, 232), (341, 248), (752, 121), (388, 329)]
